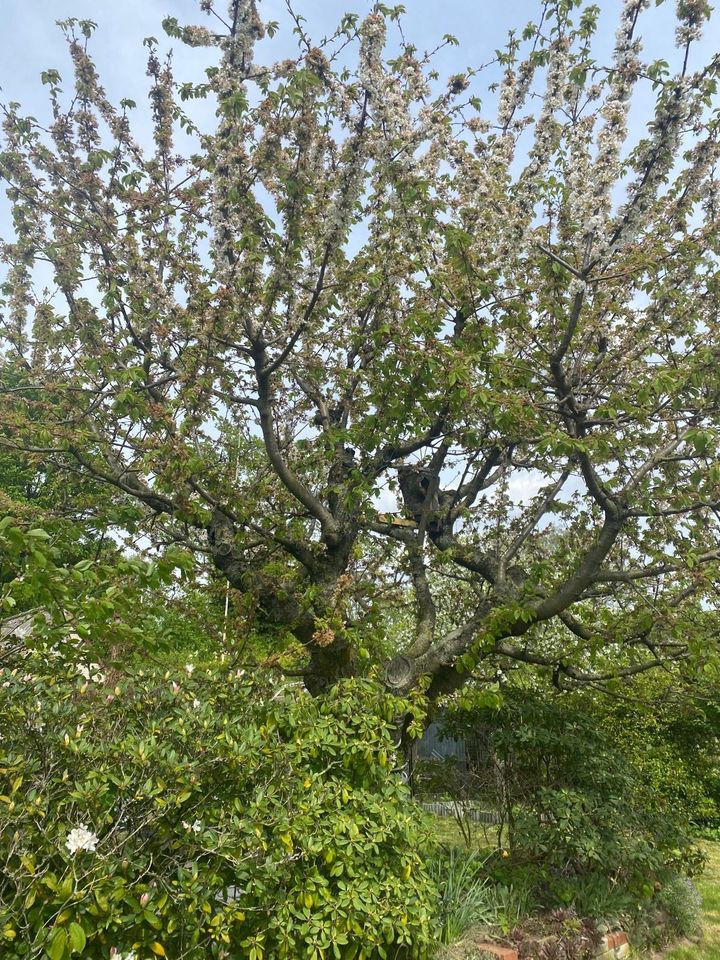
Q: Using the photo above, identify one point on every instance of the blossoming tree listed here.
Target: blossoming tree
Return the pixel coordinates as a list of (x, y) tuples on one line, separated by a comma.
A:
[(363, 283)]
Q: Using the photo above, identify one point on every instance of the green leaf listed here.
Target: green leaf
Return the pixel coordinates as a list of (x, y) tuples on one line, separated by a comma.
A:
[(38, 534), (77, 937), (153, 919), (57, 948)]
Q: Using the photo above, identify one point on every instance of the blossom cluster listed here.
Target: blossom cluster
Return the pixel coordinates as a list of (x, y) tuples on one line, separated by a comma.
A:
[(80, 838)]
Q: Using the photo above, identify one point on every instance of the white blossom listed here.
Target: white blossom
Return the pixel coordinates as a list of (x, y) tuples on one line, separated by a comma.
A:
[(91, 671), (513, 91), (692, 14), (196, 36), (249, 29), (80, 838), (546, 128), (591, 198)]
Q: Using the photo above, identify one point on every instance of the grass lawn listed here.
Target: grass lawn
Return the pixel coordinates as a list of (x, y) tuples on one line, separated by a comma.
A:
[(483, 836), (709, 887)]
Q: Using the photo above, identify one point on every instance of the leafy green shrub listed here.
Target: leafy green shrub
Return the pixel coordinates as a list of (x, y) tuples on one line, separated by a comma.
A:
[(669, 730), (673, 912), (680, 900), (97, 605), (707, 832), (595, 896), (576, 807), (465, 898), (202, 815)]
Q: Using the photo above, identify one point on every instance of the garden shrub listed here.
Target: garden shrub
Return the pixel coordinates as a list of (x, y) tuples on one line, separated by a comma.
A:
[(671, 734), (680, 900), (577, 810), (205, 814), (674, 912), (110, 606), (595, 895)]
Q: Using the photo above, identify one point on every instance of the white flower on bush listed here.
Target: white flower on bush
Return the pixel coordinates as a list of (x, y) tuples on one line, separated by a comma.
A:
[(196, 827), (189, 668), (196, 704), (91, 672), (80, 838), (115, 954)]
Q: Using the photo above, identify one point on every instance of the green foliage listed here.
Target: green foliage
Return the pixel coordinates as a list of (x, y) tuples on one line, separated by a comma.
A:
[(225, 817), (673, 913), (32, 490), (302, 307), (513, 901), (469, 897), (185, 622), (671, 734), (707, 833), (680, 900), (709, 888), (608, 903), (577, 810), (464, 892), (93, 606)]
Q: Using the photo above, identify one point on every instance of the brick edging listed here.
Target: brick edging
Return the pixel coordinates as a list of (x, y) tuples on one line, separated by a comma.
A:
[(612, 947)]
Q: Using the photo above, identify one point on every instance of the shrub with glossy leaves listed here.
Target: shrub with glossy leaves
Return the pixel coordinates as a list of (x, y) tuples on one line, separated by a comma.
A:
[(204, 815)]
